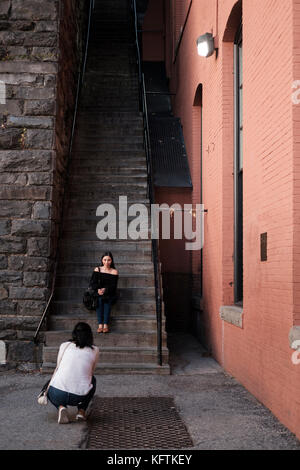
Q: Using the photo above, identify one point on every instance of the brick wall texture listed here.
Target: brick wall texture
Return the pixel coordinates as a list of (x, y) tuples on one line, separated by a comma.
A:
[(40, 54), (259, 353)]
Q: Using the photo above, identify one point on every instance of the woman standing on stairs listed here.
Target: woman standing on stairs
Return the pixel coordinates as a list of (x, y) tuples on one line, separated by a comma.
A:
[(105, 280)]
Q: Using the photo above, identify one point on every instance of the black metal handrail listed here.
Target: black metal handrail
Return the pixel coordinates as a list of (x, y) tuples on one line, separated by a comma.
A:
[(155, 248), (79, 85)]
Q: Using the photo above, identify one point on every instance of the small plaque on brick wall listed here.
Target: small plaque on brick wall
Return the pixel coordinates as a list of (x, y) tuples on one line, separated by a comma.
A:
[(263, 246)]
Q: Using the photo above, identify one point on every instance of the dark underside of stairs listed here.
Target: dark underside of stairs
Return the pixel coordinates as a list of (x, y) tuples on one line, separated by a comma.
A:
[(108, 161)]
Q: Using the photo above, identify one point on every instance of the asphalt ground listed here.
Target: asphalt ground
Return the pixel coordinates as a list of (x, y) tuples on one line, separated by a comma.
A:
[(219, 413)]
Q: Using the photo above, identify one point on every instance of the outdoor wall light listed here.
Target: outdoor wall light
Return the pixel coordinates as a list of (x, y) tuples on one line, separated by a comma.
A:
[(205, 45)]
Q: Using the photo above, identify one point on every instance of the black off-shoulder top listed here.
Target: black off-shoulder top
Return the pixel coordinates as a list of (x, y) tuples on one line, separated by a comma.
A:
[(107, 280)]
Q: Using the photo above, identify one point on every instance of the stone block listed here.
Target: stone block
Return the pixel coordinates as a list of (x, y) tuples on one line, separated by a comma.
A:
[(42, 210), (12, 245), (13, 53), (31, 307), (38, 247), (40, 108), (45, 39), (14, 178), (26, 159), (34, 293), (40, 122), (3, 262), (5, 227), (22, 25), (26, 192), (40, 179), (49, 54), (21, 351), (39, 139), (3, 293), (9, 334), (11, 277), (34, 10), (30, 227), (35, 93), (17, 208), (14, 66), (42, 26), (10, 139), (7, 307), (4, 9), (11, 106), (11, 38), (27, 263), (18, 78), (2, 352), (49, 80), (32, 279)]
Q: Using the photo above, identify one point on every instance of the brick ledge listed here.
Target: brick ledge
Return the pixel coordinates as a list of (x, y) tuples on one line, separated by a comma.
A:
[(294, 337), (232, 314)]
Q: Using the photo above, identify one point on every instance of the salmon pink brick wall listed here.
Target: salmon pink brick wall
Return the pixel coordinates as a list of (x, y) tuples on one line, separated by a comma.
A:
[(258, 353)]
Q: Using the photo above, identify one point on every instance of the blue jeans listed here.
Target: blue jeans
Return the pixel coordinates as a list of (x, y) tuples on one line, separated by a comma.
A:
[(60, 398), (103, 310)]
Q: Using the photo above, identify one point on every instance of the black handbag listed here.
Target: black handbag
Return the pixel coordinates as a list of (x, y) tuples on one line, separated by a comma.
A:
[(90, 299)]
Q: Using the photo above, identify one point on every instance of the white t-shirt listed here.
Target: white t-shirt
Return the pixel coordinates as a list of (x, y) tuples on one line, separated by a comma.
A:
[(75, 371)]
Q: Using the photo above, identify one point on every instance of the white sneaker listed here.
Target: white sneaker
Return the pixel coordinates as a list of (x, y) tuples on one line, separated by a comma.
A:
[(63, 417)]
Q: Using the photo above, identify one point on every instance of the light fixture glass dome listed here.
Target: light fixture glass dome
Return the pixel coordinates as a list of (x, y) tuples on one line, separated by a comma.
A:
[(205, 45)]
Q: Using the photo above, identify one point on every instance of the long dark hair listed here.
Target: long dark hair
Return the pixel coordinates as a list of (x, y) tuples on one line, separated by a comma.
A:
[(82, 335), (108, 253)]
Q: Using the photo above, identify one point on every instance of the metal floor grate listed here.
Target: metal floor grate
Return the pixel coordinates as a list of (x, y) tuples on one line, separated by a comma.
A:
[(136, 423)]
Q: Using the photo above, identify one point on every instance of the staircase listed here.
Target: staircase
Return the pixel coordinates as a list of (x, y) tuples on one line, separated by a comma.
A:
[(108, 161)]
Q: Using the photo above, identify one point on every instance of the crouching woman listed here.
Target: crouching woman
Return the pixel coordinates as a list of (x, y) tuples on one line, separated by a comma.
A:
[(73, 383)]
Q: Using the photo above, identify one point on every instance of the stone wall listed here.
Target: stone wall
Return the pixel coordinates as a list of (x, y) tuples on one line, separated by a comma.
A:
[(41, 44)]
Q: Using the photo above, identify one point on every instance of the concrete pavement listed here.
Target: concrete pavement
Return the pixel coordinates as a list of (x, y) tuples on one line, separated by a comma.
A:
[(218, 412)]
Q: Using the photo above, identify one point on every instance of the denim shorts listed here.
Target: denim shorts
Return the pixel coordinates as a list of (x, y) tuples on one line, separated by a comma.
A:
[(61, 398)]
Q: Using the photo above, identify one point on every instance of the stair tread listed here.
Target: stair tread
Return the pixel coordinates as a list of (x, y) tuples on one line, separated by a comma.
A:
[(121, 365), (117, 348)]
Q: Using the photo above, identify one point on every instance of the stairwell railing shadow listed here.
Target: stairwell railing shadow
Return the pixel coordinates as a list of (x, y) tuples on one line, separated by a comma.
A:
[(81, 73), (155, 247)]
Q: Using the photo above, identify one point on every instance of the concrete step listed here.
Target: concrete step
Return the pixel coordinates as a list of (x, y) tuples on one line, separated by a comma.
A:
[(127, 369), (88, 208), (119, 355), (110, 139), (86, 219), (124, 293), (90, 129), (124, 267), (74, 234), (116, 146), (116, 116), (125, 281), (94, 179), (102, 196), (119, 309), (129, 246), (111, 158), (97, 172), (113, 339), (91, 256), (122, 323)]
